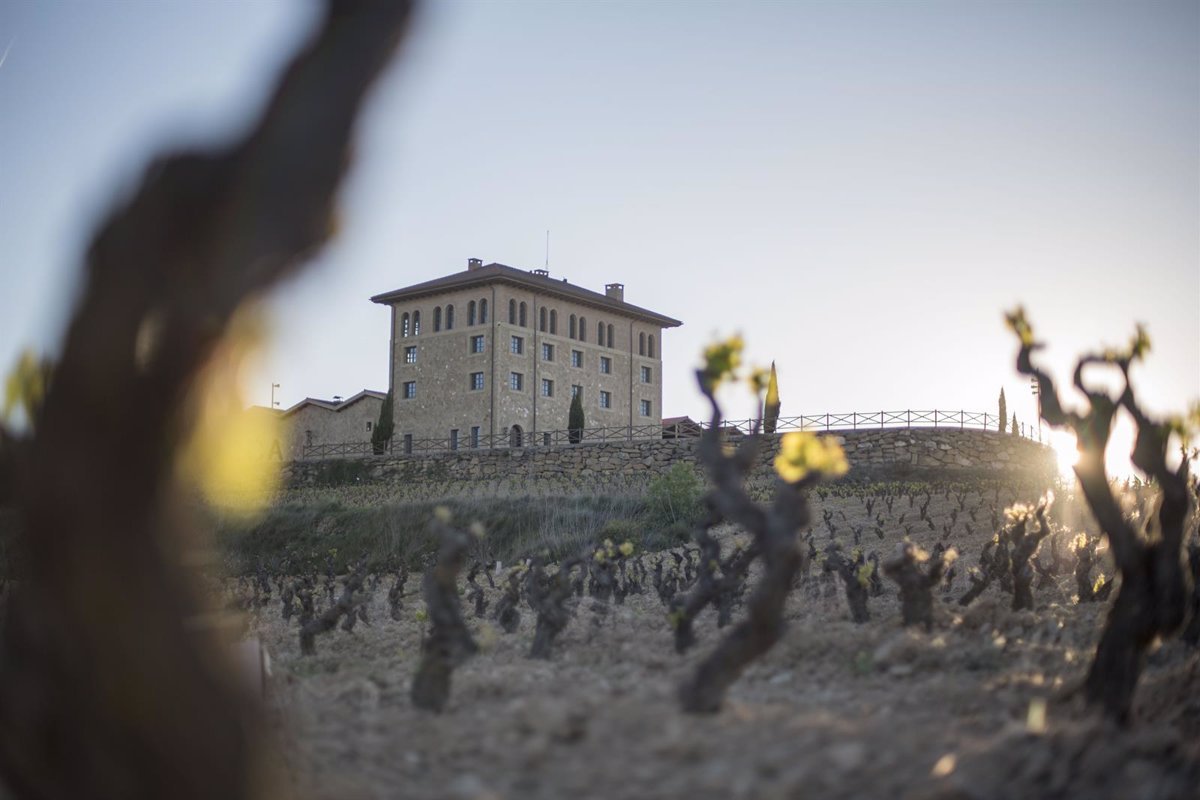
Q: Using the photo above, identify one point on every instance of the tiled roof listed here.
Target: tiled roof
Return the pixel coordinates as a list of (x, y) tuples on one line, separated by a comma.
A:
[(500, 272), (335, 405)]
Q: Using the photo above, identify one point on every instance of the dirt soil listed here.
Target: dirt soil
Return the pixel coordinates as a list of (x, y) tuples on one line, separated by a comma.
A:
[(834, 710)]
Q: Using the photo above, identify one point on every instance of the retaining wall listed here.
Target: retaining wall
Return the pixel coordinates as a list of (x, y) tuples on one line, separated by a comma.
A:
[(876, 455)]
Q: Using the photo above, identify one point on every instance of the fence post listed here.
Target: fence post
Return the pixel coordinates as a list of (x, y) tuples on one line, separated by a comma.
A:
[(962, 417), (827, 421), (881, 420), (853, 420)]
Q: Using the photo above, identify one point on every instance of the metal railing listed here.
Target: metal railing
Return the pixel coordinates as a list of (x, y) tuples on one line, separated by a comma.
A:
[(828, 422), (858, 420)]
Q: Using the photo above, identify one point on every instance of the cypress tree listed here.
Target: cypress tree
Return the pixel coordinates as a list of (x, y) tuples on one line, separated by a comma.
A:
[(1014, 424), (575, 420), (383, 428), (771, 406), (1003, 410)]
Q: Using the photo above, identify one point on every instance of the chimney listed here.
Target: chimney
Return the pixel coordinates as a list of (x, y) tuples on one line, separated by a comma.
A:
[(615, 290), (474, 263)]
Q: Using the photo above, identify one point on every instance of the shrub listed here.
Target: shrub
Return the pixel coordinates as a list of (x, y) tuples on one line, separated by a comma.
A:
[(575, 421), (384, 428), (675, 498), (772, 405)]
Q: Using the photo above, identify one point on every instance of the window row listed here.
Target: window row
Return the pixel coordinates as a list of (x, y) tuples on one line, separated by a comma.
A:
[(548, 323), (517, 347), (472, 439), (477, 313), (476, 346), (516, 382), (646, 345), (577, 328), (410, 324)]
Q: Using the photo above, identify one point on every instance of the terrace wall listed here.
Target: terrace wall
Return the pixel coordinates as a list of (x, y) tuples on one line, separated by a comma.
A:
[(874, 455)]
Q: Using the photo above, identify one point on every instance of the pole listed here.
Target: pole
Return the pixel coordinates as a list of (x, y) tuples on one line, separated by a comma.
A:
[(1033, 387)]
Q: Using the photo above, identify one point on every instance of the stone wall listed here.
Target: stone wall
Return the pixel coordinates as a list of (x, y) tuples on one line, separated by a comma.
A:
[(312, 424), (440, 364), (876, 455)]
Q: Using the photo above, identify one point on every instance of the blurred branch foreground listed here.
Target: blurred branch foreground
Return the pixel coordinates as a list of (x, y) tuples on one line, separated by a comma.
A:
[(104, 691)]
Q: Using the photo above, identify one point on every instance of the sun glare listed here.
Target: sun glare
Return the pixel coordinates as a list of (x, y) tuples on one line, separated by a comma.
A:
[(1065, 452), (1116, 457)]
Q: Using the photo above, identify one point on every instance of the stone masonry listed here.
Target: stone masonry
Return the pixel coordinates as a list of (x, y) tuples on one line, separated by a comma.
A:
[(888, 454), (494, 353)]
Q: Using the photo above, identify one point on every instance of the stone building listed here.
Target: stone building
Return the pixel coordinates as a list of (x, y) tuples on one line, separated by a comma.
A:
[(492, 355), (315, 428)]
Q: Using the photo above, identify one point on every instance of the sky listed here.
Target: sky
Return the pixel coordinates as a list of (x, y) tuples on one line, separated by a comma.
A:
[(860, 189)]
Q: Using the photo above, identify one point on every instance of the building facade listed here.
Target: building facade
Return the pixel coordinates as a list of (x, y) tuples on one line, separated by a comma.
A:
[(316, 428), (492, 356)]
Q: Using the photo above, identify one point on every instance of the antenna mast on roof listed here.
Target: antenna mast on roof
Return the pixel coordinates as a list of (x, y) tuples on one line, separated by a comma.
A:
[(547, 250)]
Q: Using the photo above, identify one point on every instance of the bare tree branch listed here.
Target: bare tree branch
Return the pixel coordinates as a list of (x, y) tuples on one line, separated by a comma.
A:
[(104, 692), (1152, 599)]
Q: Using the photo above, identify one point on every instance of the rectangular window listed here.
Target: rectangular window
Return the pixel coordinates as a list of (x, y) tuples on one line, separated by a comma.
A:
[(410, 355), (474, 436), (476, 381), (368, 426), (408, 443), (605, 365), (646, 375), (645, 408), (516, 381), (576, 358), (410, 390), (518, 345), (576, 391), (547, 352), (547, 388), (454, 438), (477, 344), (605, 399)]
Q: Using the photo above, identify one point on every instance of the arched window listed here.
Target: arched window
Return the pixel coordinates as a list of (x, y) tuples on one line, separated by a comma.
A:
[(542, 317), (437, 318), (600, 333), (416, 323), (641, 344), (610, 335), (651, 349), (483, 312), (571, 329), (404, 323), (553, 322), (515, 436), (449, 318), (524, 322), (512, 312), (583, 329), (471, 313)]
